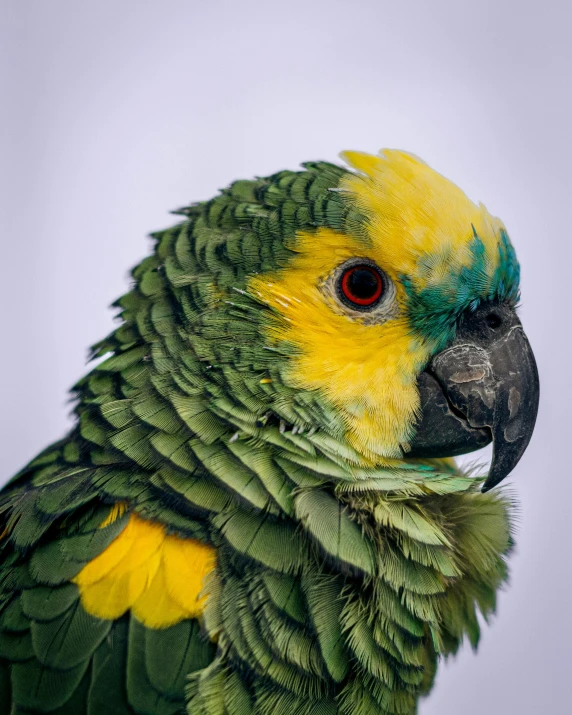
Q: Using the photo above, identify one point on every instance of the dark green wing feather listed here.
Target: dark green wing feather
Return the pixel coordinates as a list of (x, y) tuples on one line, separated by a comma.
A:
[(55, 657)]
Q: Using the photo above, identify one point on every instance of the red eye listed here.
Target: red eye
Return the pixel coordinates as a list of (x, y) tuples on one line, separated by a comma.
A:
[(361, 285)]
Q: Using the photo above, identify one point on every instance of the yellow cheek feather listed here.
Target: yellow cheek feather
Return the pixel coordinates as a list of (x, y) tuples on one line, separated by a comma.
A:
[(365, 370), (418, 224), (158, 576)]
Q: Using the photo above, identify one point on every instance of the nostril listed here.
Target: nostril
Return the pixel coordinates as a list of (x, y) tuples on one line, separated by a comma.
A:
[(493, 320)]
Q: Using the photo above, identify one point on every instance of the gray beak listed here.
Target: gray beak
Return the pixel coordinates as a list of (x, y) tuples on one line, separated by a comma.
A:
[(482, 388)]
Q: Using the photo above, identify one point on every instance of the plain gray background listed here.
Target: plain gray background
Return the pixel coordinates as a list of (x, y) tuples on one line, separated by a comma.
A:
[(114, 112)]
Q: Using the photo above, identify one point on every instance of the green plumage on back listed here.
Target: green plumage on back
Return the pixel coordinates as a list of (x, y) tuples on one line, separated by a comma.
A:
[(342, 574)]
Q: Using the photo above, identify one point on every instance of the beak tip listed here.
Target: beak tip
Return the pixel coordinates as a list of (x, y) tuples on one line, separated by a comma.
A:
[(495, 477), (497, 474)]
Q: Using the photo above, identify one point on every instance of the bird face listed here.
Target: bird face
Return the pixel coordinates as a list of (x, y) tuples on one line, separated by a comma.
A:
[(406, 325)]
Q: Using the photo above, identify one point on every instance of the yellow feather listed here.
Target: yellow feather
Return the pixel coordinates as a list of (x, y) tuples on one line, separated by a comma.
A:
[(119, 590), (158, 576), (117, 511), (186, 564), (366, 163), (155, 608), (365, 370), (114, 554)]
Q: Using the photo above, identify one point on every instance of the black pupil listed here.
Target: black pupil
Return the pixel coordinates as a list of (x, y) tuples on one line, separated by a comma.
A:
[(363, 283)]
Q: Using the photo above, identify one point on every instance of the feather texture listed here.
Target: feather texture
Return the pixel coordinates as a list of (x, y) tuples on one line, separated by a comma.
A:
[(237, 459)]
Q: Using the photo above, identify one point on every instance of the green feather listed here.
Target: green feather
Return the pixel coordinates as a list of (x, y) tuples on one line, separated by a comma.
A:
[(329, 523), (325, 604), (275, 544), (44, 603), (172, 654), (141, 695), (16, 647), (109, 672), (68, 640), (41, 689)]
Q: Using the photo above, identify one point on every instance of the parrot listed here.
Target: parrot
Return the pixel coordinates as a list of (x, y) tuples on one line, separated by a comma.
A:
[(257, 510)]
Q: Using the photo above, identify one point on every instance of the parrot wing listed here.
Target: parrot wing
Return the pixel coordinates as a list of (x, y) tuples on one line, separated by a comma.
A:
[(94, 614)]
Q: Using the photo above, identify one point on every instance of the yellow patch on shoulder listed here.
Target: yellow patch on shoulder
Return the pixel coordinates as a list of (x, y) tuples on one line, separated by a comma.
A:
[(418, 224), (158, 576)]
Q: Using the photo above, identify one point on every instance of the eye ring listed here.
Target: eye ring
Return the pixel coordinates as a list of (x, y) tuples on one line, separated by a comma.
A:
[(361, 286)]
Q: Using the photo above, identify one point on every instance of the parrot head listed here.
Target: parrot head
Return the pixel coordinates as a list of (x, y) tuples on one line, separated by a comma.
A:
[(398, 317)]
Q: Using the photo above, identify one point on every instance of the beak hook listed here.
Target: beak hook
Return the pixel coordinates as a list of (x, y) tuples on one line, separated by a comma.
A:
[(483, 387)]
